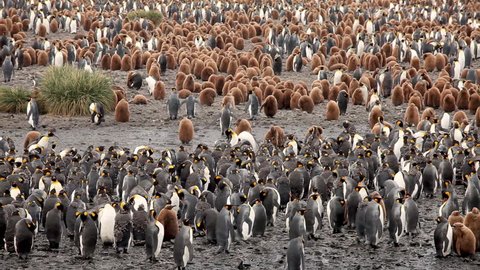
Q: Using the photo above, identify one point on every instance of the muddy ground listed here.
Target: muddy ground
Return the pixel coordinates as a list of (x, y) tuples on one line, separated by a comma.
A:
[(149, 125)]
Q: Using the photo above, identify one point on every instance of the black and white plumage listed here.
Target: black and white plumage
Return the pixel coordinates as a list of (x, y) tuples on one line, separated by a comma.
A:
[(33, 113), (24, 237), (97, 112)]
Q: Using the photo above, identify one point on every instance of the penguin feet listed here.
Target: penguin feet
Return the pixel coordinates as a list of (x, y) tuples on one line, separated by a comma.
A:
[(220, 250)]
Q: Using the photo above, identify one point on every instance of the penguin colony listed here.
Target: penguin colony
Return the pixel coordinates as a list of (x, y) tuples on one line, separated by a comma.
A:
[(380, 52)]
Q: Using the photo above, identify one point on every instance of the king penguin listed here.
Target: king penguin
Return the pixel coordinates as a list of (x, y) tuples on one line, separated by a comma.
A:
[(173, 105), (297, 62), (97, 112), (296, 254), (33, 113), (153, 237), (87, 234), (7, 69), (24, 236), (443, 237), (53, 225), (190, 102), (398, 221), (226, 120), (224, 229), (336, 213), (106, 224), (260, 222), (183, 247), (252, 106)]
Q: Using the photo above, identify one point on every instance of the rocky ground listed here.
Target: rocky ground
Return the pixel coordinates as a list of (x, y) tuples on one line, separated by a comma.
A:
[(149, 125)]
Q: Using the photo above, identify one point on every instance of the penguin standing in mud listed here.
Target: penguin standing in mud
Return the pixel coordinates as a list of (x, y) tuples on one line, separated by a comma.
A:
[(244, 221), (252, 106), (443, 237), (374, 218), (33, 113), (336, 213), (87, 234), (173, 105), (7, 69), (190, 102), (106, 224), (277, 65), (153, 237), (296, 254), (54, 226), (224, 229), (97, 113), (183, 247), (342, 101), (313, 214), (297, 227), (24, 236), (297, 62), (226, 119), (135, 80), (398, 221), (123, 228), (260, 222)]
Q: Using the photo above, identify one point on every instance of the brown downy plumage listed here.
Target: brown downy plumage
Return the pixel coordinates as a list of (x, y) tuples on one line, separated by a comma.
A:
[(270, 106), (332, 111), (122, 112), (243, 125), (185, 131)]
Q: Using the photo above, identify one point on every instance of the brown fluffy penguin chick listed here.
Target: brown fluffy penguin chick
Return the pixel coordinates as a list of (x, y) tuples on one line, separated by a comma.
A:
[(122, 112), (116, 62), (159, 91), (42, 58), (397, 96), (32, 136), (270, 106), (333, 112), (185, 131), (317, 95), (306, 104), (357, 97), (276, 136), (126, 64), (449, 103), (460, 117), (465, 244), (455, 217), (168, 218), (207, 96), (472, 221), (463, 99), (434, 98), (473, 103), (429, 62), (294, 98), (228, 100), (243, 125), (412, 115), (139, 100)]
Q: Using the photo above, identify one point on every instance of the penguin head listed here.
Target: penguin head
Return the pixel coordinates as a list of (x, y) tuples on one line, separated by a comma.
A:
[(440, 219), (83, 215), (446, 195), (59, 206), (30, 225)]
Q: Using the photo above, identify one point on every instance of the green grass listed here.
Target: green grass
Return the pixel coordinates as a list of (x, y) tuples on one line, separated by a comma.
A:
[(13, 100), (154, 16), (69, 91)]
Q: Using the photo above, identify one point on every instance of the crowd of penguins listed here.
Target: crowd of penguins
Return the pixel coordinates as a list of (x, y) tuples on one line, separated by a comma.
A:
[(235, 189)]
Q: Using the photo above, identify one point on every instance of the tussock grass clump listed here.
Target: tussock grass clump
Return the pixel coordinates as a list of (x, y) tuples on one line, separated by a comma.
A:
[(154, 16), (13, 100), (69, 91)]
